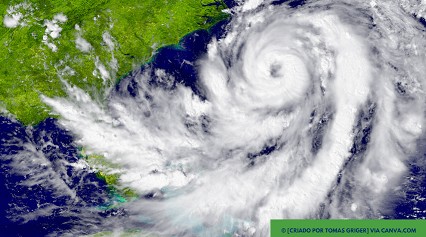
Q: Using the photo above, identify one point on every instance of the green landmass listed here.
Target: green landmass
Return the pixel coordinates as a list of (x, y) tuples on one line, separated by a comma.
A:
[(110, 174), (34, 61), (119, 35)]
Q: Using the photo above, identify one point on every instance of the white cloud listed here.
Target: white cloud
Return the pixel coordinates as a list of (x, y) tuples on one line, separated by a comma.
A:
[(60, 17), (104, 73), (53, 30), (82, 44), (17, 14), (108, 40), (12, 21), (266, 85)]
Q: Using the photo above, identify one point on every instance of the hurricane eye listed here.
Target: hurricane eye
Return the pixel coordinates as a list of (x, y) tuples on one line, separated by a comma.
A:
[(275, 70), (284, 111)]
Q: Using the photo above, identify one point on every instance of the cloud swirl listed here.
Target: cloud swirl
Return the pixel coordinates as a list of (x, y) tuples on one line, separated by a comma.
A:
[(307, 112)]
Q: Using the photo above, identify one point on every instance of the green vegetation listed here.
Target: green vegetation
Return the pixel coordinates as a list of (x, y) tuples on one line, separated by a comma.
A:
[(34, 61), (110, 173)]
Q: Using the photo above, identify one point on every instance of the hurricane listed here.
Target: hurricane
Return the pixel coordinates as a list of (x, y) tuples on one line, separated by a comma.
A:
[(300, 110)]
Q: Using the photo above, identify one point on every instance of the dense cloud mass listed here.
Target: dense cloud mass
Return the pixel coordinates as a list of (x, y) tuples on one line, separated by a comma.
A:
[(313, 111)]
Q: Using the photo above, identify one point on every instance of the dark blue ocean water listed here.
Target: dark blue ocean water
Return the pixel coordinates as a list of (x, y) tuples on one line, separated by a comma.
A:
[(41, 191)]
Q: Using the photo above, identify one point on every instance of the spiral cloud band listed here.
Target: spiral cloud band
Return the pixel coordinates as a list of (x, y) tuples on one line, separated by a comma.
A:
[(307, 112)]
